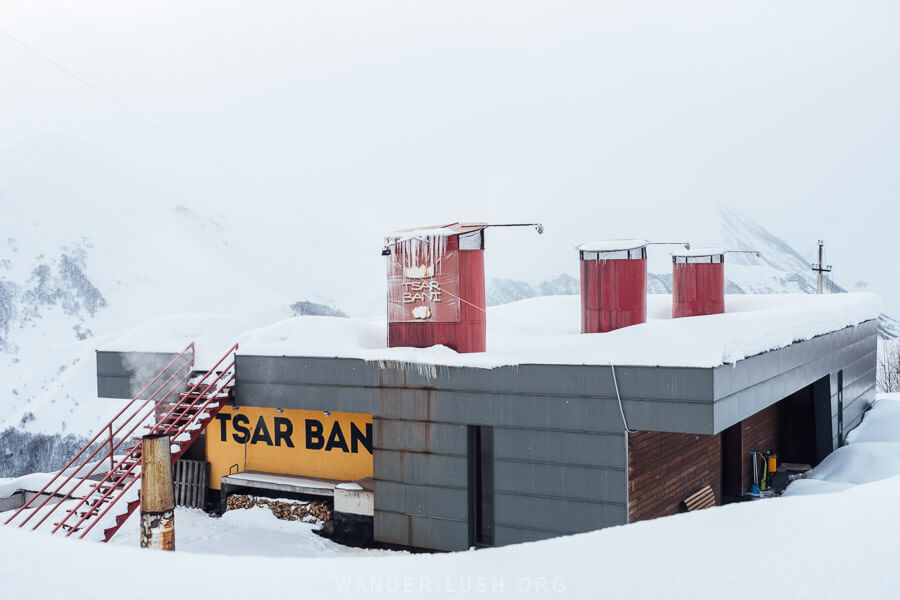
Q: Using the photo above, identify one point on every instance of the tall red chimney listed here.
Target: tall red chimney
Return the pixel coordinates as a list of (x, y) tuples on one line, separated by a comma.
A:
[(436, 291), (613, 284), (698, 282)]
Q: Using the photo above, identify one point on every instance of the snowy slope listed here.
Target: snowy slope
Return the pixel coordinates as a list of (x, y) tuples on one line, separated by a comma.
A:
[(98, 246)]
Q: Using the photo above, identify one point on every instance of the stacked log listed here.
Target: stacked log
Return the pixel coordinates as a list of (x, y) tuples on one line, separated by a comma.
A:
[(287, 510)]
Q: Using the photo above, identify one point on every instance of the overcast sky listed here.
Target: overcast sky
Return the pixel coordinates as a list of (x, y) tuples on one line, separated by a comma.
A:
[(600, 119)]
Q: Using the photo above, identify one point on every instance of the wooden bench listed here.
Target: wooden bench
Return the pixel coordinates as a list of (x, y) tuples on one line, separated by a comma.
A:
[(704, 498)]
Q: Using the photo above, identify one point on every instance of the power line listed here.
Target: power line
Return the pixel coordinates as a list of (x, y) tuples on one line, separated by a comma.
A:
[(134, 113)]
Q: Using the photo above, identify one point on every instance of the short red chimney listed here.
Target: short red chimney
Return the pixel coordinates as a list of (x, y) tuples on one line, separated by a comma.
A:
[(698, 282), (613, 284)]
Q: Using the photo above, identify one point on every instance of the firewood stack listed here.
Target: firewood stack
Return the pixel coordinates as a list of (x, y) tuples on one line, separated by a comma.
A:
[(288, 510)]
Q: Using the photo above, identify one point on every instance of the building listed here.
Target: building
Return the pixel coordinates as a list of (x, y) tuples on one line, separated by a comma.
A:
[(551, 431)]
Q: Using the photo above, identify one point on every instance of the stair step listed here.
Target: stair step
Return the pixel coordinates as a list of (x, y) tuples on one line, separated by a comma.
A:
[(185, 414), (93, 512), (103, 489), (189, 405)]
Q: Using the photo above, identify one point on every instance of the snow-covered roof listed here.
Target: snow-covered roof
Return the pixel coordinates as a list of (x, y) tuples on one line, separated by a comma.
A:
[(547, 330), (611, 245)]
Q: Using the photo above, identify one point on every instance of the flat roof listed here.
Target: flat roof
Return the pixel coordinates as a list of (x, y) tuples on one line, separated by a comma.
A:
[(542, 330)]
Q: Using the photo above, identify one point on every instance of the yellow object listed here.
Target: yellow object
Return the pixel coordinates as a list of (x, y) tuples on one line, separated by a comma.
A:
[(772, 463), (290, 442)]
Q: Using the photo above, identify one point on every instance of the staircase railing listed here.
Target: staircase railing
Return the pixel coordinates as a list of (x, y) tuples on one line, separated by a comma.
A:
[(160, 428), (180, 376)]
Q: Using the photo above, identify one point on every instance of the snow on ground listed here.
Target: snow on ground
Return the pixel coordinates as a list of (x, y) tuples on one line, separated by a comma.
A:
[(36, 481), (809, 546), (821, 546), (242, 532), (872, 453)]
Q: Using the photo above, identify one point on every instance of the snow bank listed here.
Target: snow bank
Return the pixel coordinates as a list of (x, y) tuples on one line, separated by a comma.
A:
[(881, 423), (872, 453), (243, 532), (863, 462), (547, 330), (36, 481), (823, 546)]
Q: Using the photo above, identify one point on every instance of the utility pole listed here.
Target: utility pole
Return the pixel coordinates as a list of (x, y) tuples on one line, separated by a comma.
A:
[(821, 268)]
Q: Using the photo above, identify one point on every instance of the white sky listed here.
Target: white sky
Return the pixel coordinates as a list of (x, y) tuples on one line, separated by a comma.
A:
[(600, 119)]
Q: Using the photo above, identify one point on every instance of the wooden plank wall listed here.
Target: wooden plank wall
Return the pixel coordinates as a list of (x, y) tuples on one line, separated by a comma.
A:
[(191, 479), (665, 468)]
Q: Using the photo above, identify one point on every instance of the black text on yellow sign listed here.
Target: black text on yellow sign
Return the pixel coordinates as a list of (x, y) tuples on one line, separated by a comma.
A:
[(293, 442), (282, 431)]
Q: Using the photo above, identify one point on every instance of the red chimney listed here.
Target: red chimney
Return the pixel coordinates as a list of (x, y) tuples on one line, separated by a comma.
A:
[(435, 281), (698, 282), (613, 284)]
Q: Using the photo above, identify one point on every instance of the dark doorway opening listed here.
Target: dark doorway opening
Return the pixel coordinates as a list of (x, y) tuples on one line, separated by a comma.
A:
[(798, 429), (481, 485), (840, 409)]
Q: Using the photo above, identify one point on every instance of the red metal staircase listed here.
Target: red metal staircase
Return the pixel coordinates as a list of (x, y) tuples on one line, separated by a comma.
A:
[(98, 487)]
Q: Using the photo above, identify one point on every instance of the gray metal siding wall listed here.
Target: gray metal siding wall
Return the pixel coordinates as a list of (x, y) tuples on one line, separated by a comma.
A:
[(559, 450), (655, 398), (421, 496), (759, 381), (859, 390), (549, 483), (546, 483), (116, 371)]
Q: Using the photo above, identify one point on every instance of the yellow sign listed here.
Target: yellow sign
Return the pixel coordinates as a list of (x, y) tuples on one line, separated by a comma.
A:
[(290, 442)]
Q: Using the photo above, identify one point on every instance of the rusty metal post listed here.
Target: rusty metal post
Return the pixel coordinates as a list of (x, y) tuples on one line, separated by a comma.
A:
[(157, 493)]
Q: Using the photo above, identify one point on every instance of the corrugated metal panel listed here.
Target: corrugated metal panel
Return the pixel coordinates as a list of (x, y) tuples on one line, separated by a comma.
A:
[(420, 469), (307, 397), (116, 376), (420, 532), (513, 535), (760, 381), (306, 370), (554, 514), (417, 436), (441, 502), (560, 447), (561, 481), (842, 347), (113, 387)]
